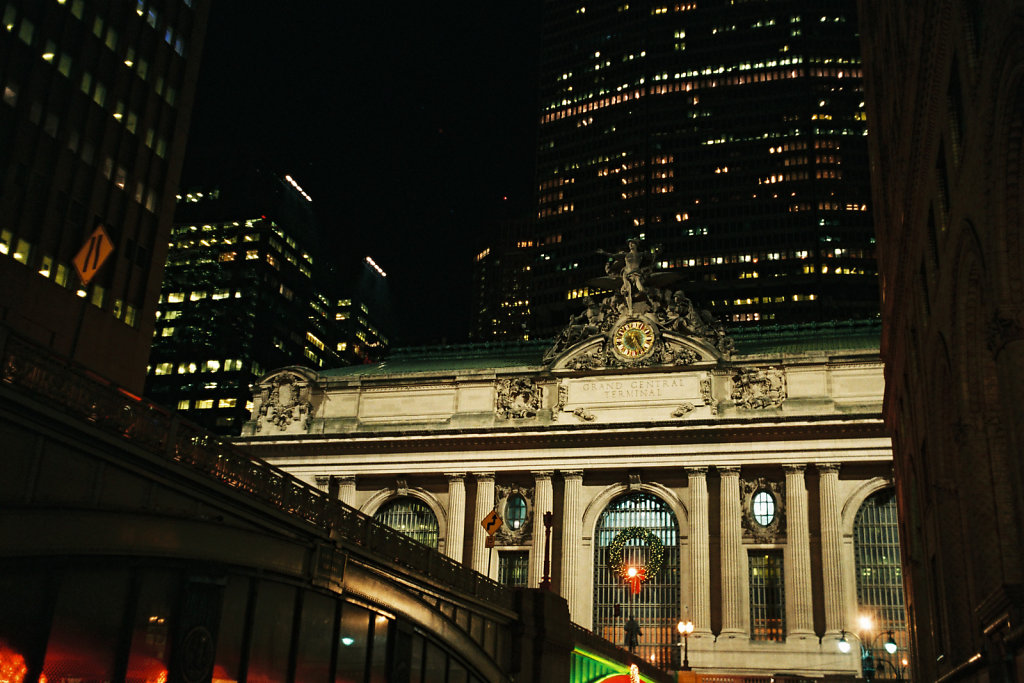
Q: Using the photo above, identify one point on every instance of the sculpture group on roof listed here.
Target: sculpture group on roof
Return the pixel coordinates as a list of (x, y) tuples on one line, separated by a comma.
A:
[(642, 294)]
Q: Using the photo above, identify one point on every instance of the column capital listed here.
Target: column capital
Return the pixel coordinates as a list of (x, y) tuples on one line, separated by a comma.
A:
[(542, 474), (730, 470), (572, 474), (484, 476), (696, 471), (452, 476), (344, 478), (828, 467), (794, 469), (322, 480)]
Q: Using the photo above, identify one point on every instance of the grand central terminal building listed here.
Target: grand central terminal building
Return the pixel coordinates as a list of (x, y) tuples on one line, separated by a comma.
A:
[(745, 482)]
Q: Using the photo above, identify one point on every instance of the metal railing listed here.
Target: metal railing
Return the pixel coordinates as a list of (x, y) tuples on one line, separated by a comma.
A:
[(81, 394)]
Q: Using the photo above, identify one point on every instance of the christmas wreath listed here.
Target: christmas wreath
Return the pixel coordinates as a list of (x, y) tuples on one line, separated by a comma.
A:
[(655, 550)]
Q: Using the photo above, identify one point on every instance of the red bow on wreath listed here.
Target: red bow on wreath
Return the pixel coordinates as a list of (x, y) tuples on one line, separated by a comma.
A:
[(634, 577)]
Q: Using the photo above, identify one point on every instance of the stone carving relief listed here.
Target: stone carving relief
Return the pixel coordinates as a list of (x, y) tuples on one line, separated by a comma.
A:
[(563, 398), (705, 392), (602, 357), (283, 403), (517, 398), (584, 415), (684, 409), (640, 294), (756, 388), (751, 527), (506, 535)]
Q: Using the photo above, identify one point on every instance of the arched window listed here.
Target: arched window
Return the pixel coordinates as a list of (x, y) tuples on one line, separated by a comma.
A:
[(876, 545), (412, 517), (638, 530)]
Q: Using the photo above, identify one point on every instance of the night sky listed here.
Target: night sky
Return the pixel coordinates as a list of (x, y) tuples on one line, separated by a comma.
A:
[(412, 126)]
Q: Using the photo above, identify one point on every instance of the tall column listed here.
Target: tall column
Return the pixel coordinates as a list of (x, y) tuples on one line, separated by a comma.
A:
[(572, 537), (735, 612), (347, 489), (799, 602), (700, 550), (542, 502), (456, 516), (484, 505), (831, 548)]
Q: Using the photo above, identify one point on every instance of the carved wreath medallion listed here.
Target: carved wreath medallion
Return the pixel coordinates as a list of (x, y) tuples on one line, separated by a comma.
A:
[(284, 400), (517, 398), (756, 388), (506, 534), (762, 533)]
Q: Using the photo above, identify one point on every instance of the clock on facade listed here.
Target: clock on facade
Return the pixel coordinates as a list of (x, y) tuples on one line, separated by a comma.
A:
[(633, 339)]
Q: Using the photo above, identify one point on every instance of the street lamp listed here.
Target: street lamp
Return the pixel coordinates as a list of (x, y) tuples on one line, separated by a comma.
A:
[(685, 628), (868, 662)]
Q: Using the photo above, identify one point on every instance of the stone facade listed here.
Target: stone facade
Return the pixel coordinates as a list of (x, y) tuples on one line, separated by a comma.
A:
[(804, 425), (944, 87)]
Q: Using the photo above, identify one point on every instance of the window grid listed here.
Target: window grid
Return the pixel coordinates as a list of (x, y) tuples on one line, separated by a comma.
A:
[(767, 596), (412, 518), (876, 545), (657, 606), (513, 567)]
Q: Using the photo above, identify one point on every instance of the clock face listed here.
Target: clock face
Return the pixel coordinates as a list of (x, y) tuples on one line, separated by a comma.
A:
[(633, 339)]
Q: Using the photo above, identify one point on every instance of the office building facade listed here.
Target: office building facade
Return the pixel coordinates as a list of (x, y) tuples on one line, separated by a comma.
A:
[(97, 99), (241, 294), (730, 134), (945, 95)]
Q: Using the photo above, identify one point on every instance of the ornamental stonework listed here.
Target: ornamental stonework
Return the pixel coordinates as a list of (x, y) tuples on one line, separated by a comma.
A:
[(283, 404), (517, 398), (758, 388), (752, 529), (506, 535)]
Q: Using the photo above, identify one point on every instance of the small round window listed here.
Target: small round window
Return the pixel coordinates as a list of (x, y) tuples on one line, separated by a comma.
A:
[(515, 512), (764, 508)]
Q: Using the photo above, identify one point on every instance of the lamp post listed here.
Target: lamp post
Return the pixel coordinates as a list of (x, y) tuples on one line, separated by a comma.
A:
[(685, 628), (868, 662)]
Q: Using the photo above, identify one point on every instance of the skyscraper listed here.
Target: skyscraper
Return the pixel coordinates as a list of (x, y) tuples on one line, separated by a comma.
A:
[(239, 296), (730, 133), (97, 99)]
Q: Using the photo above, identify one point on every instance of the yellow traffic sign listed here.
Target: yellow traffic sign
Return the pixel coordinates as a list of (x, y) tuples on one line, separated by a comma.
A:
[(93, 254), (491, 523)]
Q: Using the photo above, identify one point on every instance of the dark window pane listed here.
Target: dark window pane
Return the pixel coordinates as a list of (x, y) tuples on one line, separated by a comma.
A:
[(86, 626), (436, 664), (352, 645), (379, 651), (316, 633), (416, 659), (271, 633), (150, 647), (513, 567), (232, 629), (457, 672)]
